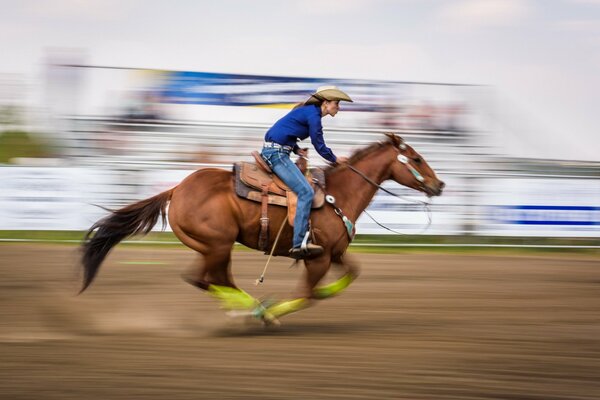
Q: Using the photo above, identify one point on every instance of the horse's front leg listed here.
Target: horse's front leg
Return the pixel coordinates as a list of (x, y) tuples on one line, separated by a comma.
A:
[(316, 269), (351, 271)]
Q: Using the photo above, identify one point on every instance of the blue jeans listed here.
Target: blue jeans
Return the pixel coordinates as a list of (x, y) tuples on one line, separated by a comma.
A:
[(288, 172)]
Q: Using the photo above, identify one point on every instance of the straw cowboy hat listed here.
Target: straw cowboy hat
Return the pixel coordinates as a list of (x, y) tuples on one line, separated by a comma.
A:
[(330, 93)]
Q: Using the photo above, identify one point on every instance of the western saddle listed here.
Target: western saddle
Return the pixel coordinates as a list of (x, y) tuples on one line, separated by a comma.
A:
[(256, 182)]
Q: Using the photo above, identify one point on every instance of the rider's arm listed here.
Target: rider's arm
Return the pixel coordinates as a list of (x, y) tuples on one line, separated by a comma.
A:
[(316, 137)]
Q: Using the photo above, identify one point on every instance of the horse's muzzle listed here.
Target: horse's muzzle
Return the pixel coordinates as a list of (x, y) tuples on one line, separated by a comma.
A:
[(435, 188)]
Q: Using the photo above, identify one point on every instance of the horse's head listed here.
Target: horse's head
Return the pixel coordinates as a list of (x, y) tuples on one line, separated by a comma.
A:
[(410, 169)]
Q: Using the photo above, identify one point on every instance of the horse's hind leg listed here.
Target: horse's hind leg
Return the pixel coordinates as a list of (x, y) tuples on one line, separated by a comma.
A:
[(210, 269), (214, 276)]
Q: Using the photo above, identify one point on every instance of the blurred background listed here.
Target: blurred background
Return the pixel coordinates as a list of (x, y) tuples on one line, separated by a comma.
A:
[(106, 102)]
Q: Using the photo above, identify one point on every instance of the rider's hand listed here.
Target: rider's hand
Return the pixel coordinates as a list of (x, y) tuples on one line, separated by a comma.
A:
[(302, 152), (341, 160)]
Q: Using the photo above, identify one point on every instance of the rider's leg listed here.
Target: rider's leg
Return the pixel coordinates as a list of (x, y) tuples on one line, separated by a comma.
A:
[(305, 197), (288, 172)]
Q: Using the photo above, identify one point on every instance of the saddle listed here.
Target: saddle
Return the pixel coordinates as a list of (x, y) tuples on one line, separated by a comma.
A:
[(256, 182)]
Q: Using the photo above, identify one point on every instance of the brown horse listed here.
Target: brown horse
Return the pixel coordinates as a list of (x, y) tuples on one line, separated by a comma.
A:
[(207, 216)]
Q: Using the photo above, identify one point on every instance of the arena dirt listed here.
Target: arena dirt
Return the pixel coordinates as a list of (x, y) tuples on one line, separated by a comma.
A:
[(413, 326)]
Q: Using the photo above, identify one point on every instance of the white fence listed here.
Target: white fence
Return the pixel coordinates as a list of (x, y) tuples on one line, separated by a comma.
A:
[(111, 167)]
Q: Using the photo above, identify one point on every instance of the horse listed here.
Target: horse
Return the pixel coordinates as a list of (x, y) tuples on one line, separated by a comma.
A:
[(207, 216)]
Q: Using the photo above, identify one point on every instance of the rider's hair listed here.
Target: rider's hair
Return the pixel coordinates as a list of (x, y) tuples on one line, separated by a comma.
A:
[(311, 100)]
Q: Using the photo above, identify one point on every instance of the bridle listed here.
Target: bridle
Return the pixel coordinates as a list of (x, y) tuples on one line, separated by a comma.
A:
[(406, 161)]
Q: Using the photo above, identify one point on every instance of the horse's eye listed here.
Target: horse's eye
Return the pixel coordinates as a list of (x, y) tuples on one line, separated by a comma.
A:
[(417, 160)]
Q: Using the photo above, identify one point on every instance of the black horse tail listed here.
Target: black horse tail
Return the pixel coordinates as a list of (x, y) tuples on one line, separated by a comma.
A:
[(133, 219)]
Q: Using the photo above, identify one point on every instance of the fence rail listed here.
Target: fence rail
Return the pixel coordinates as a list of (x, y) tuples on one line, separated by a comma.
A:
[(119, 162), (381, 245)]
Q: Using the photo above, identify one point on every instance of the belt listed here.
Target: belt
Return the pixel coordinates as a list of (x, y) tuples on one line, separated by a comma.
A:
[(273, 145)]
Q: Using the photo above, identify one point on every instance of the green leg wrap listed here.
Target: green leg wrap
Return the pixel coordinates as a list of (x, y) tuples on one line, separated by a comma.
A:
[(333, 288), (287, 307), (231, 298)]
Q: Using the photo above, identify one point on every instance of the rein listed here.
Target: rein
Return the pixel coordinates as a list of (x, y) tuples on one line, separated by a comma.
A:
[(378, 186), (425, 204)]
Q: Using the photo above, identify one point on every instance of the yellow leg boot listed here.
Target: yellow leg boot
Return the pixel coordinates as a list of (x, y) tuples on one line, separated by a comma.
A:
[(333, 288), (232, 299), (287, 307)]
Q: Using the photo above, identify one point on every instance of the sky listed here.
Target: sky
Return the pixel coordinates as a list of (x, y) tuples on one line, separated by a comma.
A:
[(541, 57)]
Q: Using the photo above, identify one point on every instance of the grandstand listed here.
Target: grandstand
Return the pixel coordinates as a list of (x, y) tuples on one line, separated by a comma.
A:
[(138, 149)]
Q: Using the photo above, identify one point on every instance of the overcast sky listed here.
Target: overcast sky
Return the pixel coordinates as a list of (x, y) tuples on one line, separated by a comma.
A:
[(542, 57)]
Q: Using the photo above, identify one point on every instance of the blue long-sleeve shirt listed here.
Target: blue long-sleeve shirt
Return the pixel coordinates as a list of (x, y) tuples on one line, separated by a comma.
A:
[(299, 124)]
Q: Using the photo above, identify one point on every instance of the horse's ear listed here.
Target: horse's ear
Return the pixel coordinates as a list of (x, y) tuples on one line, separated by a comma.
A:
[(394, 139)]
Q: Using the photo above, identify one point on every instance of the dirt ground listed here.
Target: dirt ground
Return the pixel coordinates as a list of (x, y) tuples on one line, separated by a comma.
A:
[(413, 326)]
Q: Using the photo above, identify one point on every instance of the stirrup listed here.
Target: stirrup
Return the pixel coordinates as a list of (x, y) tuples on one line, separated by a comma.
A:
[(309, 251)]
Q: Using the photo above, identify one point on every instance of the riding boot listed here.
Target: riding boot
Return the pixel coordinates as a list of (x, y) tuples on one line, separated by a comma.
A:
[(306, 249), (309, 251)]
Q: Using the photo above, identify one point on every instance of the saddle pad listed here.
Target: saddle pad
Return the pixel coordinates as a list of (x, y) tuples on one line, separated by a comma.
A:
[(249, 186)]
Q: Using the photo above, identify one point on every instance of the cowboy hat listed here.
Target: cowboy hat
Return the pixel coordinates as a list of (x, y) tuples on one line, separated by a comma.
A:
[(330, 93)]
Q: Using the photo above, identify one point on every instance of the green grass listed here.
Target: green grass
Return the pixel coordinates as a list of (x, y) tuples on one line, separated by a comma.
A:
[(77, 236), (361, 242), (14, 144)]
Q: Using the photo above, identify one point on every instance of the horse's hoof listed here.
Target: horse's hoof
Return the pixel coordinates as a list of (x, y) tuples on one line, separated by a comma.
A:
[(239, 313), (191, 279), (262, 313), (269, 319)]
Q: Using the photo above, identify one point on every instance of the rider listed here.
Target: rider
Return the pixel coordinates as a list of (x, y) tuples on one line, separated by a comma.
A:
[(280, 140)]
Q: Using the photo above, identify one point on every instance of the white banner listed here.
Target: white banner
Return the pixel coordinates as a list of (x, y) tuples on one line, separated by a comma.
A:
[(540, 207), (35, 198)]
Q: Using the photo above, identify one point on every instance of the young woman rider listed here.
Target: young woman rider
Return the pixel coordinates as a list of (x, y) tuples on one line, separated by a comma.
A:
[(281, 139)]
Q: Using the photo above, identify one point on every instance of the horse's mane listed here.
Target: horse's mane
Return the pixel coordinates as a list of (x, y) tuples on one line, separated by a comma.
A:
[(358, 155)]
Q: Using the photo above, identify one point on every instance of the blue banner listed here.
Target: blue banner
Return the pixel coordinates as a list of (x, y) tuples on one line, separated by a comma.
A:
[(548, 215), (206, 88)]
